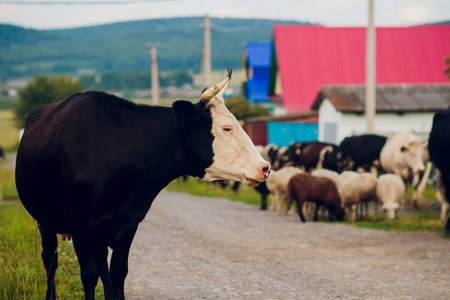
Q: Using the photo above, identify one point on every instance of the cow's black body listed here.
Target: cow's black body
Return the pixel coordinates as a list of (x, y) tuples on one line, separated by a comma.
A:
[(310, 154), (91, 166), (438, 145), (362, 151)]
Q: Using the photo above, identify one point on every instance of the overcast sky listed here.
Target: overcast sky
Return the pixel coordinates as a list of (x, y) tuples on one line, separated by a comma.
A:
[(53, 14)]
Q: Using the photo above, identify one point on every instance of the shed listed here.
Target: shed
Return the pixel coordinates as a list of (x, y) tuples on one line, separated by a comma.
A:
[(308, 57), (256, 63), (399, 108)]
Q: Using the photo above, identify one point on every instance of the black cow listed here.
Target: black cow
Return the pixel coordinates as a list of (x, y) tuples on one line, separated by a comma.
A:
[(278, 156), (91, 165), (362, 151), (311, 155), (438, 148)]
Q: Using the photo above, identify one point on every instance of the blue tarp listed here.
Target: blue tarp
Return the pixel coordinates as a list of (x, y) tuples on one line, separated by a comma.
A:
[(258, 59)]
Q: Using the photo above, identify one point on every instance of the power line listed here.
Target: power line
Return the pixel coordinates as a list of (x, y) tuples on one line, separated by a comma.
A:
[(89, 2)]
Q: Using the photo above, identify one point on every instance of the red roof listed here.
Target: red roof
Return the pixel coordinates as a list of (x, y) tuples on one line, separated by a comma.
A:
[(309, 57)]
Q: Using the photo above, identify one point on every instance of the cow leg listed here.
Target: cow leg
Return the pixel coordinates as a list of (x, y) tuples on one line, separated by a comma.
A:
[(446, 183), (49, 243), (104, 274), (119, 264), (92, 258), (447, 227), (263, 202)]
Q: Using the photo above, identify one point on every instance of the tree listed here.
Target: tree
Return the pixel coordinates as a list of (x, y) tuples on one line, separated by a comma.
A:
[(44, 90)]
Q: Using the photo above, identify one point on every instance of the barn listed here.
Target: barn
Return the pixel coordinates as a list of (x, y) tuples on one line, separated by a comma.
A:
[(400, 108)]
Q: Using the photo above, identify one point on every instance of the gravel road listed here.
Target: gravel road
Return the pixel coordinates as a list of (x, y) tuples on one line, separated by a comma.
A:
[(192, 247)]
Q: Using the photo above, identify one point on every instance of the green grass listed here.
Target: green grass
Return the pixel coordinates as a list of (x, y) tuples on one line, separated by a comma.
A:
[(22, 274), (7, 184), (408, 221), (194, 186), (411, 221), (9, 134)]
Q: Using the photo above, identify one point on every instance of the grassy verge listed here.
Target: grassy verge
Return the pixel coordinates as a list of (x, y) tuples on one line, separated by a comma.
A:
[(194, 186), (9, 134), (411, 221), (22, 274), (408, 221), (7, 184)]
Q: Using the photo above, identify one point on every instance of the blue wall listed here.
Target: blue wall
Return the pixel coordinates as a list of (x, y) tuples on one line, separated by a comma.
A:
[(284, 133)]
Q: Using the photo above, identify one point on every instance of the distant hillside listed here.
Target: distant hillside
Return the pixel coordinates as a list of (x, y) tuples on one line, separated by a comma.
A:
[(123, 46)]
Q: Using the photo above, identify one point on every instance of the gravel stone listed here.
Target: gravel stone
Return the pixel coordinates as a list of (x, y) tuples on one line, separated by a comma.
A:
[(191, 247)]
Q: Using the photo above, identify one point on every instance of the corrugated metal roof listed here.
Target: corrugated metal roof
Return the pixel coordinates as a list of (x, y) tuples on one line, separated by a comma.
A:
[(312, 56), (389, 98)]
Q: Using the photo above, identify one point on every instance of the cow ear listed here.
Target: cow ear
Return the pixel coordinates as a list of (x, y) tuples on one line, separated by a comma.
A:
[(185, 113)]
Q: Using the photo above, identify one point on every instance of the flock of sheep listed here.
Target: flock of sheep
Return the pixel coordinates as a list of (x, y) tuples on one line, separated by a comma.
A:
[(335, 192), (343, 191)]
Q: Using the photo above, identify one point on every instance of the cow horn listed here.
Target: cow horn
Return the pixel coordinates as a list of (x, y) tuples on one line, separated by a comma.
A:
[(217, 88)]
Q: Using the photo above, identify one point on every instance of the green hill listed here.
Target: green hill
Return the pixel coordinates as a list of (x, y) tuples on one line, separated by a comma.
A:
[(123, 46)]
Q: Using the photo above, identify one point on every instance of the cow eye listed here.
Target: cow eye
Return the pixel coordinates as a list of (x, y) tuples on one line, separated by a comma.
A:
[(228, 128)]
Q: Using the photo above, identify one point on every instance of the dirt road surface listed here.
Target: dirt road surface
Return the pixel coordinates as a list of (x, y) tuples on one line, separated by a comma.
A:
[(192, 247)]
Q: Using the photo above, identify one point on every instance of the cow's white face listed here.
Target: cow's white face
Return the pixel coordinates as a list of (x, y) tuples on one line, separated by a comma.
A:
[(235, 155), (413, 154)]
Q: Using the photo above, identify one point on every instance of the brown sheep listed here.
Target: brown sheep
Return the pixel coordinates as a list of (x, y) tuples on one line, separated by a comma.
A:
[(320, 190)]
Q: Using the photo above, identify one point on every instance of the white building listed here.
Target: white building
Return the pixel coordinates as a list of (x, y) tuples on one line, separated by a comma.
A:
[(401, 108)]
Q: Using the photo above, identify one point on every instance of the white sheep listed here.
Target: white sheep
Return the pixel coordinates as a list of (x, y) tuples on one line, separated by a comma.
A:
[(391, 192), (356, 188), (346, 175), (277, 184), (328, 174)]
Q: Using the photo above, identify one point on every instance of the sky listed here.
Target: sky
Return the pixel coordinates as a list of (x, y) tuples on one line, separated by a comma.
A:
[(54, 14)]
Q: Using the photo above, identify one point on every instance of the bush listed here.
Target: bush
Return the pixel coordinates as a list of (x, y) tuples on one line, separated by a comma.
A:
[(242, 109), (44, 90)]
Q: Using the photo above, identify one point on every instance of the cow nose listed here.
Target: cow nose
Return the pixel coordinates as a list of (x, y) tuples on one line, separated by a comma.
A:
[(266, 171)]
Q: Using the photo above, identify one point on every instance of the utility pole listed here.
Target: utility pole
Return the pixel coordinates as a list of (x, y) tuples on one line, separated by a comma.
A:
[(155, 75), (370, 70), (207, 52)]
